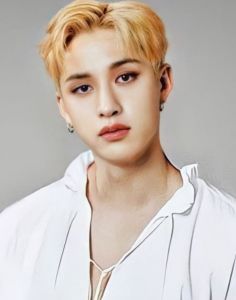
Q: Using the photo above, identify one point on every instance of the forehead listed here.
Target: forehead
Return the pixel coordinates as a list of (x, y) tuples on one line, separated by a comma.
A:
[(100, 47), (95, 42)]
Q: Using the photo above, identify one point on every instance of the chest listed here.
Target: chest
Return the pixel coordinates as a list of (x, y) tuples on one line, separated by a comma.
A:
[(111, 236)]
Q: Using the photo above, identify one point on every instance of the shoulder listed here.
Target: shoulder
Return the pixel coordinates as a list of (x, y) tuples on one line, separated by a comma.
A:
[(36, 201), (213, 243), (49, 206), (26, 215), (215, 218), (215, 201), (22, 229)]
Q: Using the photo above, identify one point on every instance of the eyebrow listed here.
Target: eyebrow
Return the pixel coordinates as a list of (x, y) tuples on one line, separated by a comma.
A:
[(112, 66)]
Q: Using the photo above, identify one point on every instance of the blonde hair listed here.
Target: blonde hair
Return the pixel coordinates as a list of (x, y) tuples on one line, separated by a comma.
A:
[(140, 31)]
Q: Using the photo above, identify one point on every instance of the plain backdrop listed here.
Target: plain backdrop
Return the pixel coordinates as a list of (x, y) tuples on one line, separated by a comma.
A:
[(197, 124)]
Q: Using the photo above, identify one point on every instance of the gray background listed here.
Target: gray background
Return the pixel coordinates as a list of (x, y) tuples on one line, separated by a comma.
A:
[(197, 124)]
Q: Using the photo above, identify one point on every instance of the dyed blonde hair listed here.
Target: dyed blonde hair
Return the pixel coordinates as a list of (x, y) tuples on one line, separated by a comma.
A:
[(141, 32)]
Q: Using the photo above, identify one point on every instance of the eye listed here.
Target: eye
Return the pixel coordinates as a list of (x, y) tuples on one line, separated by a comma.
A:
[(127, 77), (83, 89)]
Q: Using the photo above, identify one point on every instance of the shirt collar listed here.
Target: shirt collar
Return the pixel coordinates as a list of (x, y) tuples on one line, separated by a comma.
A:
[(75, 176)]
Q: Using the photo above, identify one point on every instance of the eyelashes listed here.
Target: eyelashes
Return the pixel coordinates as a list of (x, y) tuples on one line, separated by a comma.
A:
[(126, 78), (82, 88), (133, 75)]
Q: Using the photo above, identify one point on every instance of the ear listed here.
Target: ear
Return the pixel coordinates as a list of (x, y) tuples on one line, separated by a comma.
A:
[(166, 82), (62, 108)]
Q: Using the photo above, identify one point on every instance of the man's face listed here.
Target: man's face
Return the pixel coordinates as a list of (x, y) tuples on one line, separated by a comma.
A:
[(107, 93)]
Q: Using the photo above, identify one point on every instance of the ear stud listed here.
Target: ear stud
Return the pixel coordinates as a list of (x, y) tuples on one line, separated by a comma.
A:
[(70, 128), (161, 106)]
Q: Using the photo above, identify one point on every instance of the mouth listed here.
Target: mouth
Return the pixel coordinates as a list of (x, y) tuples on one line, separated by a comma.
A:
[(114, 132)]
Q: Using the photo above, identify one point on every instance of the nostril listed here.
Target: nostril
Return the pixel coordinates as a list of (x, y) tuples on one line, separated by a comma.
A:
[(115, 113), (109, 114)]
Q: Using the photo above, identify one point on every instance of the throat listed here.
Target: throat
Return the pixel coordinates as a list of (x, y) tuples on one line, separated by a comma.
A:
[(134, 188)]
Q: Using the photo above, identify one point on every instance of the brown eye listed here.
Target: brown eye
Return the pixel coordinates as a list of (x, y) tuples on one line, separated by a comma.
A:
[(127, 77), (83, 89)]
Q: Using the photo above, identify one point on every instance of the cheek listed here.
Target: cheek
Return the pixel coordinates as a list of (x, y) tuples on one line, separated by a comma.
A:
[(85, 127), (144, 103), (78, 110), (82, 117)]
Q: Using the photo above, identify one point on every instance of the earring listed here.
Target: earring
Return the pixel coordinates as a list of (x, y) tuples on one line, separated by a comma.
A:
[(70, 128), (162, 106)]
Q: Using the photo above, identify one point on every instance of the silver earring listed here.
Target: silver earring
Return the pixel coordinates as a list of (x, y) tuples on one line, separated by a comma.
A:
[(70, 128), (162, 106)]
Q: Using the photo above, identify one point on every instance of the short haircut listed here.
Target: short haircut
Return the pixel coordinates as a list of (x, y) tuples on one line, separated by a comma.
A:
[(140, 31)]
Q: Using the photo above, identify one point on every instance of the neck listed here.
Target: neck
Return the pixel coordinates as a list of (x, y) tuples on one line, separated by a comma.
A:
[(152, 178)]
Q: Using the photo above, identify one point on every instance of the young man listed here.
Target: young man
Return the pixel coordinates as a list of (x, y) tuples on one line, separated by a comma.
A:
[(124, 222)]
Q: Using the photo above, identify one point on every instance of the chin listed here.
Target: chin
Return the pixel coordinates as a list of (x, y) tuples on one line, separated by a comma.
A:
[(122, 154)]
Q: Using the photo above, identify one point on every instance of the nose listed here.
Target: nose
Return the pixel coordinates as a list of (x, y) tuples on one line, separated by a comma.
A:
[(108, 103)]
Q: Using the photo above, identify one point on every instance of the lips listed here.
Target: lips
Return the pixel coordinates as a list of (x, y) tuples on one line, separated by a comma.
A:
[(113, 128)]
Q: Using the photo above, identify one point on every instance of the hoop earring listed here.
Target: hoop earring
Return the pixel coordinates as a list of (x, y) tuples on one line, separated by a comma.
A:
[(162, 106), (70, 128)]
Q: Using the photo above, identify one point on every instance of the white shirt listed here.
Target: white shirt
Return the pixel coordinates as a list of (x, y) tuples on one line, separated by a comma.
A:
[(187, 250)]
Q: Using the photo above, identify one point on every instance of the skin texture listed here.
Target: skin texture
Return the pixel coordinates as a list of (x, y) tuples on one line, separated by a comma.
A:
[(131, 179)]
